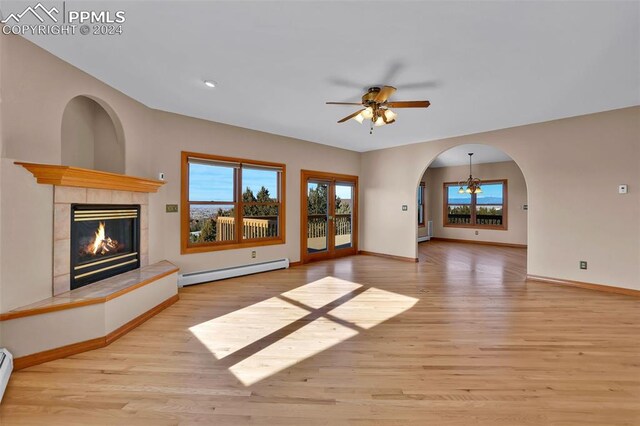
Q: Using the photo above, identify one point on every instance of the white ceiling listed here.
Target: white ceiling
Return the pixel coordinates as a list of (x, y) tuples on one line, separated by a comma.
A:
[(459, 156), (483, 65)]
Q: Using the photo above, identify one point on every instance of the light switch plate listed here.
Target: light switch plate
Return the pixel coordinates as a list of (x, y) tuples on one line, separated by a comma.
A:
[(171, 208), (405, 207)]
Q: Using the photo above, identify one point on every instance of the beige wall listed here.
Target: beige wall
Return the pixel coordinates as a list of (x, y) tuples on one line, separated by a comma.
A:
[(572, 168), (516, 198), (37, 87), (1, 155)]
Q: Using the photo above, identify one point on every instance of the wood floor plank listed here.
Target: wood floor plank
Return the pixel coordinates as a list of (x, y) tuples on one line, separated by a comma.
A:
[(459, 338)]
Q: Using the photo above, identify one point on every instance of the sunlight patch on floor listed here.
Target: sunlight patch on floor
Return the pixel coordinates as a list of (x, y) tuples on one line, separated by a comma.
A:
[(321, 292), (359, 311), (310, 319), (231, 332), (304, 343)]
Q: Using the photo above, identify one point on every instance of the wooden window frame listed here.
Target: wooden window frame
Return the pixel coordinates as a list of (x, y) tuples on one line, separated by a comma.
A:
[(422, 224), (186, 247), (473, 205)]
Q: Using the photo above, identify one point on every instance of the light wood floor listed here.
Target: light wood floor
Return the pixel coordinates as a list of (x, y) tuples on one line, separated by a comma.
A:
[(457, 339)]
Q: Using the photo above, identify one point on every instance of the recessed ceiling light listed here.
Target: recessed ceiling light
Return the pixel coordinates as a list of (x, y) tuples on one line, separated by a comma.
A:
[(210, 83)]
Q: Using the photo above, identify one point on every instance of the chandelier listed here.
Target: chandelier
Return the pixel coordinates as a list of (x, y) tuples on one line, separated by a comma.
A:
[(472, 184)]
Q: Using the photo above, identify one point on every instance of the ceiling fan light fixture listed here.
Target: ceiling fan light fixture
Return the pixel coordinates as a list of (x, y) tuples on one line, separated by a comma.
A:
[(389, 115), (367, 113), (376, 104)]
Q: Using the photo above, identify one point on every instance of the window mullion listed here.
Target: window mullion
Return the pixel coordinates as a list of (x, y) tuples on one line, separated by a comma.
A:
[(239, 204)]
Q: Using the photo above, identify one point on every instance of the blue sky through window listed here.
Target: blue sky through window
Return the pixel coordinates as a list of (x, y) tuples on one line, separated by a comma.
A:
[(491, 194), (344, 192), (256, 179), (455, 197), (215, 183), (210, 183)]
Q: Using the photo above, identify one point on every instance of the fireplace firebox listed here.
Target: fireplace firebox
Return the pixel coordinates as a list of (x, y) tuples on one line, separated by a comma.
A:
[(105, 241)]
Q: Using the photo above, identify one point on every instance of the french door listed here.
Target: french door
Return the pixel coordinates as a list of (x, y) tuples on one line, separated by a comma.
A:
[(329, 222)]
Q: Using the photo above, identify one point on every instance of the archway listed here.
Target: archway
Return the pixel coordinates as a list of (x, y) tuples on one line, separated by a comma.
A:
[(92, 136), (496, 215)]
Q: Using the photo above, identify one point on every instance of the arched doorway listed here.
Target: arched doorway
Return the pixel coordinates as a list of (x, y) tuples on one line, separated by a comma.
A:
[(494, 215)]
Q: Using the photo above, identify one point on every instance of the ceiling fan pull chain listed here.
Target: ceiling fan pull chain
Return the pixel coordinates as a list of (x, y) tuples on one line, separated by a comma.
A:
[(371, 128)]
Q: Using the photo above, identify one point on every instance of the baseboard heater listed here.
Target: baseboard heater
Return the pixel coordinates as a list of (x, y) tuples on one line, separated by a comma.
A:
[(235, 271), (6, 367)]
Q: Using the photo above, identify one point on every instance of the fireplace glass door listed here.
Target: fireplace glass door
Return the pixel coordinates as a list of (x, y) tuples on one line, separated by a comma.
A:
[(104, 242)]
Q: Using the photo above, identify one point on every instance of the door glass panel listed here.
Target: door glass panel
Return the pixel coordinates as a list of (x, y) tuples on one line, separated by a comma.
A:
[(343, 215), (317, 216)]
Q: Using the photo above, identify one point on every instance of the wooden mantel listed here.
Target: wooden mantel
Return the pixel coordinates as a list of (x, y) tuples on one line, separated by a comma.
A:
[(87, 178)]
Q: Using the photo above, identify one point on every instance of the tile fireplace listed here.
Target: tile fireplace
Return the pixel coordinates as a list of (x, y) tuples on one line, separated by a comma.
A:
[(105, 241)]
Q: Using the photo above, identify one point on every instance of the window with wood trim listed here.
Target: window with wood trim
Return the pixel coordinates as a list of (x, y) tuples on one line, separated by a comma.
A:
[(487, 209), (421, 211), (230, 203)]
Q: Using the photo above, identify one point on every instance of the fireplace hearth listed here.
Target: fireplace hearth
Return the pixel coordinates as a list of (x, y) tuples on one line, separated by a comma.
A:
[(105, 241)]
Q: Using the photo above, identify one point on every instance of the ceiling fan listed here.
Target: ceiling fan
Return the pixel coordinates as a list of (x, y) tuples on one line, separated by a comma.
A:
[(377, 107)]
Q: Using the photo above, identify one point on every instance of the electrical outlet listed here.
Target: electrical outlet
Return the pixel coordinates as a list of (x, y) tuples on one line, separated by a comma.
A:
[(583, 264), (171, 208), (253, 254), (477, 232), (405, 207)]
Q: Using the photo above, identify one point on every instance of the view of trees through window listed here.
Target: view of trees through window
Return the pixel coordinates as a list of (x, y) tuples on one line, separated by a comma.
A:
[(317, 201)]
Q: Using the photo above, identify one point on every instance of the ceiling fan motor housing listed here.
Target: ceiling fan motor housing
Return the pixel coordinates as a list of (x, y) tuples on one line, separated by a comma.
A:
[(370, 96)]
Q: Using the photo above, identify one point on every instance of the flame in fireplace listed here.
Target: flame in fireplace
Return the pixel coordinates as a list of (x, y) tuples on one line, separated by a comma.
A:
[(102, 244)]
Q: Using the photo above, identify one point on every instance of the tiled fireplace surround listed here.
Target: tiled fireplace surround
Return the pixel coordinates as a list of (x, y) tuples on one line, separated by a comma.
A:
[(64, 196)]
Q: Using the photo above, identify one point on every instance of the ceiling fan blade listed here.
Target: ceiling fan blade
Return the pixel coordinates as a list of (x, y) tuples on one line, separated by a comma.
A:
[(408, 104), (384, 94), (348, 117), (344, 103)]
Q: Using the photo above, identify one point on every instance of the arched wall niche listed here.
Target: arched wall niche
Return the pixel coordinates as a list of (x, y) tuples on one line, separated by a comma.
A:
[(92, 136)]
